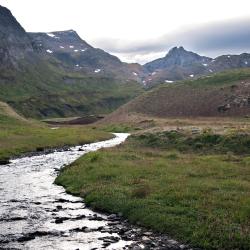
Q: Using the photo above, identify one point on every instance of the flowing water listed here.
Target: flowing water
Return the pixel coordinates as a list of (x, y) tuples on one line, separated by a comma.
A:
[(37, 214)]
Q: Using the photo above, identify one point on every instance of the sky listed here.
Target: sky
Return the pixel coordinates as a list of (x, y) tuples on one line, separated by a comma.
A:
[(143, 30)]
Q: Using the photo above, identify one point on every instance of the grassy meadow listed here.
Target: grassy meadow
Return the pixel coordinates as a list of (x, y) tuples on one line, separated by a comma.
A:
[(18, 135), (196, 188)]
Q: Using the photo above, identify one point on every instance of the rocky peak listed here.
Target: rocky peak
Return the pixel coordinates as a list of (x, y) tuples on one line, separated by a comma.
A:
[(176, 57), (181, 57), (176, 50), (14, 41), (8, 23), (59, 41)]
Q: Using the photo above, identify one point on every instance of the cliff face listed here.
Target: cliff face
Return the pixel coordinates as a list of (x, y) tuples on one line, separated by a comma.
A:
[(15, 43)]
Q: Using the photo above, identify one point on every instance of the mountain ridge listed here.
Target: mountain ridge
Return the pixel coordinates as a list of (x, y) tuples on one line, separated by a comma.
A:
[(180, 64), (39, 84)]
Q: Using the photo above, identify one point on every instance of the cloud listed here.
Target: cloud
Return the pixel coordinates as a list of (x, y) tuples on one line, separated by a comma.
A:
[(211, 39)]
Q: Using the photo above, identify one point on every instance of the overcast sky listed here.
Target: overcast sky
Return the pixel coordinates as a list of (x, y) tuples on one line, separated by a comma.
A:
[(142, 30)]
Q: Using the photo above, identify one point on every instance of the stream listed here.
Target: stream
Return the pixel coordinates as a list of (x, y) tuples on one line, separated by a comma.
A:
[(37, 214)]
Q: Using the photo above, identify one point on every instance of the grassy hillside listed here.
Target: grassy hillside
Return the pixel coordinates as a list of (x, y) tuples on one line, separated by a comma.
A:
[(170, 182), (18, 135), (222, 94), (48, 90)]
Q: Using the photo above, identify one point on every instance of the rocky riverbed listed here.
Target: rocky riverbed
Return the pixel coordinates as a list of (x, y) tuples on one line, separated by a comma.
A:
[(37, 214)]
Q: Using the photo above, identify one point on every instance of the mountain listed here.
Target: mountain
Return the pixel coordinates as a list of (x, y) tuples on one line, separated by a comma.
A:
[(59, 74), (177, 57), (75, 54), (219, 95), (181, 64)]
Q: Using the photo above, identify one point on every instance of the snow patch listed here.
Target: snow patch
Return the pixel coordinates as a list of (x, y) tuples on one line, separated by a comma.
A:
[(83, 50), (168, 81), (153, 73), (50, 34), (77, 65), (228, 56), (71, 46), (135, 74), (205, 64), (49, 51), (191, 75), (97, 70), (246, 62), (76, 50), (61, 47), (210, 70)]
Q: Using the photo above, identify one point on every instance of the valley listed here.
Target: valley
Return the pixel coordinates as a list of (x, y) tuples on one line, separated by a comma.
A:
[(172, 170)]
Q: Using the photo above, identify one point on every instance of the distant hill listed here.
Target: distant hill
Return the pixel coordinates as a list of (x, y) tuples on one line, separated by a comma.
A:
[(180, 64), (59, 74), (222, 94)]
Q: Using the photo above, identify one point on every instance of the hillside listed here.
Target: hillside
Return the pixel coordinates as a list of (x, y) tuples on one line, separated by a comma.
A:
[(40, 79), (7, 111), (44, 90), (223, 94)]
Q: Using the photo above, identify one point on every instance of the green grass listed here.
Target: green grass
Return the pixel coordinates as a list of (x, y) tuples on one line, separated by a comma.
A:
[(46, 90), (20, 136), (199, 198), (205, 142)]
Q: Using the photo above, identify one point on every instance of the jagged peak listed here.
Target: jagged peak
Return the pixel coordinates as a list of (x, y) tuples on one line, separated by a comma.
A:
[(4, 9), (178, 50)]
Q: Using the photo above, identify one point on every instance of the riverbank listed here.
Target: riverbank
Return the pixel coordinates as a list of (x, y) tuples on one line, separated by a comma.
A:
[(19, 136), (193, 193)]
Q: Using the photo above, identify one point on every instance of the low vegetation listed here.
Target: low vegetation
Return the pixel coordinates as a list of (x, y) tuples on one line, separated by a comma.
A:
[(18, 135), (195, 188), (206, 142), (46, 90)]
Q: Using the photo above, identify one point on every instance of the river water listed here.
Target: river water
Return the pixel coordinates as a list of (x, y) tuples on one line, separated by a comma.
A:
[(37, 214)]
